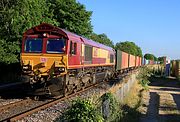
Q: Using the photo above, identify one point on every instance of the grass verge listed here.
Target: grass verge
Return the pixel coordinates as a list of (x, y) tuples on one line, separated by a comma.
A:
[(131, 104)]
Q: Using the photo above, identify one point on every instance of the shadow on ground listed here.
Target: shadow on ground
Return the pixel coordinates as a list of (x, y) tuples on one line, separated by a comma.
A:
[(167, 87)]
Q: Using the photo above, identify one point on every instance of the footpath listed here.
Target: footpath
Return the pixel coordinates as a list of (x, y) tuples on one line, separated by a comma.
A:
[(162, 102)]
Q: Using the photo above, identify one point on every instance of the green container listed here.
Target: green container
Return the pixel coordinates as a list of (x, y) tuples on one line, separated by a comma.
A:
[(118, 59)]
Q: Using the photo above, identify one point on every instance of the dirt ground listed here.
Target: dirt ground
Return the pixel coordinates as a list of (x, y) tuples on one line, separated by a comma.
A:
[(162, 102)]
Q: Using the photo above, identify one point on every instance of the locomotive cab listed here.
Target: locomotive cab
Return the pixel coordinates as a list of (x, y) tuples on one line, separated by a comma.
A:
[(44, 55)]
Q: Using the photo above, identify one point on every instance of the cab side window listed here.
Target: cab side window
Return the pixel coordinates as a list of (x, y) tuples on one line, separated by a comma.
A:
[(73, 48)]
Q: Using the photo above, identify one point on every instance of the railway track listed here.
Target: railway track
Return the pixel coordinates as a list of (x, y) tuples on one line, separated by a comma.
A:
[(4, 102), (12, 110), (29, 106), (4, 116), (11, 104)]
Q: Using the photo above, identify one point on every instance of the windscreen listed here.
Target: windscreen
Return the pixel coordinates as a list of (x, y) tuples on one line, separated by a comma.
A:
[(56, 45), (33, 45)]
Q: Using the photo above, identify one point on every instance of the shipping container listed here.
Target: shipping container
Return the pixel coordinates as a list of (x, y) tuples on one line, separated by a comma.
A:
[(173, 67), (140, 61), (132, 60), (151, 62), (177, 71), (122, 59), (167, 70), (164, 60), (137, 61)]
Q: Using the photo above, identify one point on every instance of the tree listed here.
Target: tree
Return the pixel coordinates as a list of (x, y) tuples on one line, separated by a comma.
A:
[(72, 16), (155, 58), (16, 17), (19, 15), (102, 38), (129, 47), (149, 56), (161, 59)]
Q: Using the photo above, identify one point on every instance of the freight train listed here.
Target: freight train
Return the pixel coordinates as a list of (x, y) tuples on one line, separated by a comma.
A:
[(58, 62)]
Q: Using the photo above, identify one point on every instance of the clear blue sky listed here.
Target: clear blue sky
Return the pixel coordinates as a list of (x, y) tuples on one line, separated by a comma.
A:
[(154, 25)]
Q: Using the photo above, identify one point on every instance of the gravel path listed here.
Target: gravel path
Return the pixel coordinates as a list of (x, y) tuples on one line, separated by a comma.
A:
[(162, 102)]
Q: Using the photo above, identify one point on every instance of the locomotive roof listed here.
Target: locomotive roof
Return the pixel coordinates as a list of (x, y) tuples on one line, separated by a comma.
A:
[(44, 27)]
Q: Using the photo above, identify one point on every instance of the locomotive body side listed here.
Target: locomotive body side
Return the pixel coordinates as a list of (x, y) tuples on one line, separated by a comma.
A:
[(91, 54)]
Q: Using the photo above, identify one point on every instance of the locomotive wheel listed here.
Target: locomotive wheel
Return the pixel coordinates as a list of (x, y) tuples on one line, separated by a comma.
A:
[(36, 98), (55, 86), (79, 86), (69, 89)]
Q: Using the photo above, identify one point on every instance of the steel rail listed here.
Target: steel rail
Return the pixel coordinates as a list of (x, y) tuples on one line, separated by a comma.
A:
[(46, 105), (17, 103)]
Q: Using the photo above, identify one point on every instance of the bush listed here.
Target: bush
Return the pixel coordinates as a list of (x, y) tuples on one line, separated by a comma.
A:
[(114, 107), (82, 111)]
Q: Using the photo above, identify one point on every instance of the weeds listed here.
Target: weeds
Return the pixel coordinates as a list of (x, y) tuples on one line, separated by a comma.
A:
[(115, 112), (143, 77)]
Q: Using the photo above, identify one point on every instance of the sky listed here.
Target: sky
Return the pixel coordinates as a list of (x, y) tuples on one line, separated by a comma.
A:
[(154, 25)]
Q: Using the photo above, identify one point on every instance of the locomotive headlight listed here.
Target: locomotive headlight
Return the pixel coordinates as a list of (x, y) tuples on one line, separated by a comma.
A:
[(61, 69), (58, 70), (44, 34), (26, 67)]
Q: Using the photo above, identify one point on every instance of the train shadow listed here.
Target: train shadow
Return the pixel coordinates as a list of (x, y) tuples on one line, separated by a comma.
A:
[(14, 92), (164, 81)]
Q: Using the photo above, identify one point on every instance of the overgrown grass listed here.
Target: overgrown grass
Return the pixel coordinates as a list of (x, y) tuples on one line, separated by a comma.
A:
[(115, 111), (144, 74), (131, 104)]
